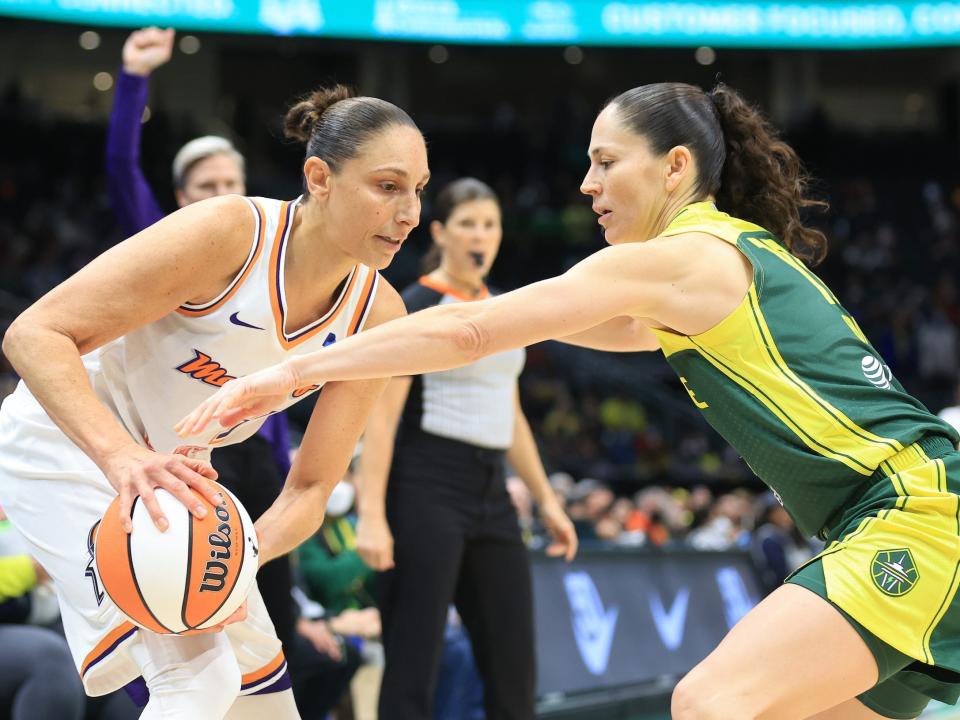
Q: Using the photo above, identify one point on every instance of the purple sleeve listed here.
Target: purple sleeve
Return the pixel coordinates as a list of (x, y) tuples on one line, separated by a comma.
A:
[(130, 195), (274, 429)]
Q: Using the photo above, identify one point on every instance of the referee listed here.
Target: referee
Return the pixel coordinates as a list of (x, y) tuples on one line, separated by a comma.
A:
[(443, 528)]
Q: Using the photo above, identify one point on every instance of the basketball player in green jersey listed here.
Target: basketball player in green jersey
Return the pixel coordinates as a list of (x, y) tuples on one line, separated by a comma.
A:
[(871, 627)]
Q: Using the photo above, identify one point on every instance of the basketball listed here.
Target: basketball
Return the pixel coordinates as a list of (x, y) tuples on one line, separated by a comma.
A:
[(191, 577)]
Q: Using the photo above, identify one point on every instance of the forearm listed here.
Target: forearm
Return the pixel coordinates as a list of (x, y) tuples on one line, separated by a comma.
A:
[(433, 339), (373, 474), (524, 458), (294, 516), (373, 470), (49, 363)]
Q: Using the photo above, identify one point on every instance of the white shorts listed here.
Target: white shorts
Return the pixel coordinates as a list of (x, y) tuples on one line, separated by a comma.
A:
[(54, 494)]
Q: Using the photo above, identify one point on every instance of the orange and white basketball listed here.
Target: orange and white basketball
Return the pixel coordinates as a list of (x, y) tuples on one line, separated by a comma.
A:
[(190, 577)]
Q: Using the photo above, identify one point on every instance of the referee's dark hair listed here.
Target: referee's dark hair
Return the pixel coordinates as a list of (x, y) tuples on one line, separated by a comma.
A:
[(453, 195)]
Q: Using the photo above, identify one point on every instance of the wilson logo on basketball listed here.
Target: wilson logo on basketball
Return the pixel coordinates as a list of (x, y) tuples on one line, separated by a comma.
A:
[(215, 572), (202, 367)]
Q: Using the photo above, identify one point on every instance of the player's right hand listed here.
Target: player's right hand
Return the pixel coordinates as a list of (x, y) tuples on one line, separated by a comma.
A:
[(147, 49), (375, 542), (135, 470)]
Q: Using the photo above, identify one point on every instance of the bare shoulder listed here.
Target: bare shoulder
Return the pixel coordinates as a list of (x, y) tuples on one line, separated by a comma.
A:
[(208, 241), (215, 223), (387, 306)]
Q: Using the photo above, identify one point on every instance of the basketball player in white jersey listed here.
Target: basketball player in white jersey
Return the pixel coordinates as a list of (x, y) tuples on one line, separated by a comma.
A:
[(115, 355)]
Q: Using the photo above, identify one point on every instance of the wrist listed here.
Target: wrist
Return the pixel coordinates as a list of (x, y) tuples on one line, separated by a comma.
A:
[(548, 504), (137, 69), (372, 511), (295, 373), (107, 454)]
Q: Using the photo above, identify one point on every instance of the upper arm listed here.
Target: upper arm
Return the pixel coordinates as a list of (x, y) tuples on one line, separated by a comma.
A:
[(385, 415), (620, 334), (335, 426), (343, 408), (188, 256)]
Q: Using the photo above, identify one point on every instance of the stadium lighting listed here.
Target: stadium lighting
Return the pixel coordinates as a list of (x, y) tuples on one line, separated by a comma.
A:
[(189, 44), (103, 81), (573, 55), (705, 55), (90, 40)]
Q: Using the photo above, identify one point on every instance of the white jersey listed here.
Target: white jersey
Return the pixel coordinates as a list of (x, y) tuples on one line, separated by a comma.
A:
[(154, 375), (151, 377)]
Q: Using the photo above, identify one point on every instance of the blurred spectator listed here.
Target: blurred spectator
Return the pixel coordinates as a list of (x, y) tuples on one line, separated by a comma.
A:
[(778, 547), (329, 566), (727, 525), (37, 676)]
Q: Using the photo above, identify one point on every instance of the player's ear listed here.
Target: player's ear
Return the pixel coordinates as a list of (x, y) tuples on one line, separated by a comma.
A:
[(318, 175)]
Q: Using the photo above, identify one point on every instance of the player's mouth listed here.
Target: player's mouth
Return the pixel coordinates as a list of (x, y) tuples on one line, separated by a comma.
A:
[(393, 243)]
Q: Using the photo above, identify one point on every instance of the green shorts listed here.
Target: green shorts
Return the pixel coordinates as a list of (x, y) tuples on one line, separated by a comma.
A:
[(891, 567)]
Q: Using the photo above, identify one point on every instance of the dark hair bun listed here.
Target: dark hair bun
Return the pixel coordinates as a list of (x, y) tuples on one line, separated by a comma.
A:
[(306, 112)]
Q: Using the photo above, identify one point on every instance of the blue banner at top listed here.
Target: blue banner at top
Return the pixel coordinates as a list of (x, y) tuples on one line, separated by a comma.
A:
[(532, 22)]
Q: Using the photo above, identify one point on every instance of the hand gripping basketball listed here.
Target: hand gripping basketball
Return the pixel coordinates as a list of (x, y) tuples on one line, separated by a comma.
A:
[(136, 471), (193, 577)]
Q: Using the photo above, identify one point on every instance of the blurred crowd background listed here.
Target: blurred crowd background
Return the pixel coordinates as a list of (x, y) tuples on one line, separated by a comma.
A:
[(628, 454), (888, 169)]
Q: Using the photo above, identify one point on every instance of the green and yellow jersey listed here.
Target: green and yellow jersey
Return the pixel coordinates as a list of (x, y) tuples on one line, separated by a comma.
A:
[(791, 382)]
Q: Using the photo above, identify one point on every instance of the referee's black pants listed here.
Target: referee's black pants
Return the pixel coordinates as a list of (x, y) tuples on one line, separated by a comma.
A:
[(456, 540)]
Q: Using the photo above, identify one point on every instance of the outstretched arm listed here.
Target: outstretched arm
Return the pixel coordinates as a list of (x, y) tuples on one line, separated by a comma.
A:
[(688, 283)]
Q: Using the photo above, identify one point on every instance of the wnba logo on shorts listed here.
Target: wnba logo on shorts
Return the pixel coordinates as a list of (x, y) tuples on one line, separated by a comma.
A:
[(215, 572), (894, 572)]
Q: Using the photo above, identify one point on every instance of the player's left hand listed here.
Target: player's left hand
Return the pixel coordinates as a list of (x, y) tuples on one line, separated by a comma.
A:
[(247, 397), (238, 615), (565, 540)]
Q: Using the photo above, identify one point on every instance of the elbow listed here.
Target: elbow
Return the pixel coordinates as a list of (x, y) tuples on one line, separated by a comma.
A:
[(13, 338), (471, 341)]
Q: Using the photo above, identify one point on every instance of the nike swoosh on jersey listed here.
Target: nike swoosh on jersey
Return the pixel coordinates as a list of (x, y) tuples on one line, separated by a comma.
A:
[(237, 321)]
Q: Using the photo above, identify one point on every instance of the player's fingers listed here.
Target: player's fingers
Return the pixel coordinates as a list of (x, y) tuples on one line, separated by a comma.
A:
[(556, 549), (201, 467), (567, 536), (197, 419), (199, 482), (153, 507), (126, 502), (178, 481), (238, 615), (225, 399)]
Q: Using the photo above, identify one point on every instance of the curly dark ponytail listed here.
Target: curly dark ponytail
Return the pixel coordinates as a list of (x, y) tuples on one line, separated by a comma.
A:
[(741, 161), (763, 180)]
